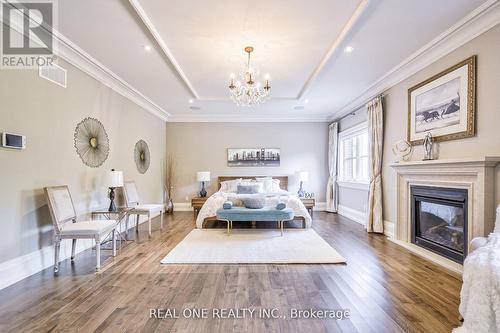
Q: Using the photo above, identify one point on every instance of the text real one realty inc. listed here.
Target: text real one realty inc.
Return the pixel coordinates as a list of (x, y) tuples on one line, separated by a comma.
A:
[(243, 313)]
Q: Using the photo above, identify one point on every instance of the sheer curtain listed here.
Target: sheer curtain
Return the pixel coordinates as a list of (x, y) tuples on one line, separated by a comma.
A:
[(331, 189), (375, 138)]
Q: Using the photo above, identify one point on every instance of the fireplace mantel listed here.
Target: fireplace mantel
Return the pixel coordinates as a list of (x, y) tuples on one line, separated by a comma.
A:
[(476, 175), (485, 161)]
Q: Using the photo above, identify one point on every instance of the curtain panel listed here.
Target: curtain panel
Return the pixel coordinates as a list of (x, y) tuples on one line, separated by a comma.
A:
[(375, 222), (332, 189)]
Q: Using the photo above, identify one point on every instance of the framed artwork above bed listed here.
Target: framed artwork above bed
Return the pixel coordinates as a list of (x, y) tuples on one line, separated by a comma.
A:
[(444, 105), (252, 157)]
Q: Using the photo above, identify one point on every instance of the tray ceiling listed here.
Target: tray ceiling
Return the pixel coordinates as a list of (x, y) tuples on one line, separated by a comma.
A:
[(196, 44)]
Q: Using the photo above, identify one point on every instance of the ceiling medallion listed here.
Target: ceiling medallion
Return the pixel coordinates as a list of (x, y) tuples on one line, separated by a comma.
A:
[(251, 91)]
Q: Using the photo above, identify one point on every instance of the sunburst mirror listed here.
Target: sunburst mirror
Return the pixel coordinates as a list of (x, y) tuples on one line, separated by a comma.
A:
[(91, 142), (142, 156)]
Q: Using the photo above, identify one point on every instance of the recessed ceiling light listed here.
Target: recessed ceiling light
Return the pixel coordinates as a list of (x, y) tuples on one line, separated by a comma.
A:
[(191, 101), (348, 49), (147, 48), (306, 101)]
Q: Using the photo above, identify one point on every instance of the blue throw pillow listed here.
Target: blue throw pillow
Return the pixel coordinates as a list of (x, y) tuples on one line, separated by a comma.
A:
[(227, 205), (255, 202), (280, 206), (249, 189)]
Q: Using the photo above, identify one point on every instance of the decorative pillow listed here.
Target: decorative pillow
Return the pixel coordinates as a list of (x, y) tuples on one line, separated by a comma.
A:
[(227, 205), (280, 206), (229, 185), (254, 202), (267, 183), (250, 189), (275, 187)]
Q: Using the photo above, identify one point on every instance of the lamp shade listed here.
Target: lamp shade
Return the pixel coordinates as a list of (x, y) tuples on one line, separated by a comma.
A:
[(114, 178), (203, 176), (303, 176)]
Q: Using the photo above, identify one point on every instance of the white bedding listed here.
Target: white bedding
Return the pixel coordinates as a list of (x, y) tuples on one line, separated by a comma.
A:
[(216, 201)]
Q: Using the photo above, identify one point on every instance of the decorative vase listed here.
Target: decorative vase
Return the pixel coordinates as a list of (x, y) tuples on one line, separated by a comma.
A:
[(169, 207)]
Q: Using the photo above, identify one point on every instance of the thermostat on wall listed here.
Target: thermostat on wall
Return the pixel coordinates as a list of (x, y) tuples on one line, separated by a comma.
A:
[(14, 141)]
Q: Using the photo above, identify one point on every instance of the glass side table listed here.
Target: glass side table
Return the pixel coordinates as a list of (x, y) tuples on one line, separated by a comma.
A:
[(121, 214)]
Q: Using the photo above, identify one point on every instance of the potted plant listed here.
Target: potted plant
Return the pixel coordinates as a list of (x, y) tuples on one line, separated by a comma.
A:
[(169, 183)]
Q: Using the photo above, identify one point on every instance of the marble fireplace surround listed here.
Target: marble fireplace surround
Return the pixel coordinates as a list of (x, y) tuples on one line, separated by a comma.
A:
[(477, 175)]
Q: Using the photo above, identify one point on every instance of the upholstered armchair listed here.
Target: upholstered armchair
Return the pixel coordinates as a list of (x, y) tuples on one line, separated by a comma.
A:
[(482, 241), (66, 226), (132, 200)]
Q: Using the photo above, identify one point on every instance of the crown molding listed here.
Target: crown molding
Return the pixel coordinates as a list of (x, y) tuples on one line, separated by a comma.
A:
[(156, 35), (73, 54), (245, 118), (70, 52), (360, 9), (351, 22), (469, 27)]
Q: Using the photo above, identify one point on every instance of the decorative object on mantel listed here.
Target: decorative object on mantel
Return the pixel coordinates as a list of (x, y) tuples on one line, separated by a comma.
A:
[(250, 92), (251, 157), (170, 179), (113, 180), (428, 147), (203, 176), (402, 149), (91, 142), (303, 177), (444, 104), (142, 156)]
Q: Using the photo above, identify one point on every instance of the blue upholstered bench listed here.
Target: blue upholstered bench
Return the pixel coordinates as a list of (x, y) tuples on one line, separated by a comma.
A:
[(263, 214)]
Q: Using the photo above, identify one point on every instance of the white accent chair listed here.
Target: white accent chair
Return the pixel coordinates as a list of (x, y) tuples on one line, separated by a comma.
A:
[(132, 201), (63, 216), (478, 242)]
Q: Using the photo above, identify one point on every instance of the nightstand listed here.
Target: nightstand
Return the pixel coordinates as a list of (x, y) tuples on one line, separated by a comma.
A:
[(309, 203), (197, 203)]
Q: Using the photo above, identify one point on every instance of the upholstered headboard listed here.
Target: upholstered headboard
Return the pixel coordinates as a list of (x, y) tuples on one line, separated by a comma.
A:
[(283, 180)]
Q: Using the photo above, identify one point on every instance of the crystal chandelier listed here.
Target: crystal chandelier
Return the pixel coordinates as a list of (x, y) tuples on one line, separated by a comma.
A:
[(250, 92)]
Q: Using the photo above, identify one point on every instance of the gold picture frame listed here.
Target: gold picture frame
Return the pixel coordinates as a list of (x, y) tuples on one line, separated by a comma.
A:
[(436, 104)]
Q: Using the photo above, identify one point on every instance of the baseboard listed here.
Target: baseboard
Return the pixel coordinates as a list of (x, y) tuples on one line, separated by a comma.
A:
[(389, 229), (353, 214), (319, 207), (22, 267), (182, 207)]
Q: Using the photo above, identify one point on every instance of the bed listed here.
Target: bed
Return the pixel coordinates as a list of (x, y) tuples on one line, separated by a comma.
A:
[(273, 196)]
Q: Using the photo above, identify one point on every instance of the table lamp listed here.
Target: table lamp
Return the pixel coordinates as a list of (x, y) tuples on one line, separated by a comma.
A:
[(203, 176), (303, 177), (113, 180)]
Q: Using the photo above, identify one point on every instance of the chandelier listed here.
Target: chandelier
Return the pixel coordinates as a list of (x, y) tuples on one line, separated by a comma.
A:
[(251, 91)]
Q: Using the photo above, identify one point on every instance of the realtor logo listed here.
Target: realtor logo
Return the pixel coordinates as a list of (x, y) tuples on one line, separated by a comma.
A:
[(27, 34)]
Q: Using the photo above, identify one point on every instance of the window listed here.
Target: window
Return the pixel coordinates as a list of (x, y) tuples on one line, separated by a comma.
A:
[(353, 154)]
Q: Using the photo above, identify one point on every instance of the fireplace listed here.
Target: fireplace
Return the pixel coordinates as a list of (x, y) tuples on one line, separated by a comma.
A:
[(439, 220)]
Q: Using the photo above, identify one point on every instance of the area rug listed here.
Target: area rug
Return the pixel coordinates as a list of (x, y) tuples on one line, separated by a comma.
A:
[(253, 246)]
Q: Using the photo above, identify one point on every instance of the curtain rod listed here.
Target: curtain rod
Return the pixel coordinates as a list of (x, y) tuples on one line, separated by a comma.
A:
[(353, 112)]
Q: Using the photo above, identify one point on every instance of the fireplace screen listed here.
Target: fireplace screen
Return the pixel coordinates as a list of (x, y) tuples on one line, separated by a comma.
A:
[(439, 220)]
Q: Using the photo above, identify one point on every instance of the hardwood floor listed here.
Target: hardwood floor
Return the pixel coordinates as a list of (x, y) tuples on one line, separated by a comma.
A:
[(384, 287)]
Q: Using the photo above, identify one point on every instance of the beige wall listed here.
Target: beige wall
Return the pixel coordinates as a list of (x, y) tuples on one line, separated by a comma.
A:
[(47, 114), (203, 147), (487, 140)]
